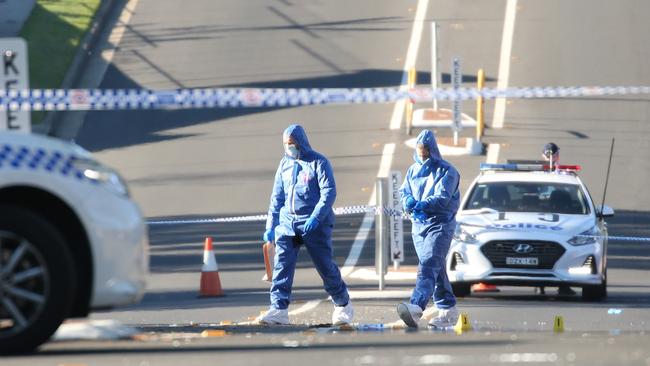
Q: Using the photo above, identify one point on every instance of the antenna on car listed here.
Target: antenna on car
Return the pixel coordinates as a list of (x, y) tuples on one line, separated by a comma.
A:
[(609, 165)]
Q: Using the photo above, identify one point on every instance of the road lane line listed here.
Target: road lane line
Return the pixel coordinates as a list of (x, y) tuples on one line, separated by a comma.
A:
[(368, 217), (411, 57), (504, 62), (116, 35), (309, 305), (493, 153), (389, 149)]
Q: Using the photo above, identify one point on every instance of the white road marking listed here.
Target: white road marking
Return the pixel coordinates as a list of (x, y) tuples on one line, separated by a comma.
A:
[(369, 274), (411, 57), (504, 62), (368, 217), (389, 149), (376, 294), (116, 35), (493, 153), (309, 305)]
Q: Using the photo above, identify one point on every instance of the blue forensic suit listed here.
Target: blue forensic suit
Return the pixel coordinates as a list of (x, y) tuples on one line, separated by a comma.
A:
[(304, 188), (433, 184)]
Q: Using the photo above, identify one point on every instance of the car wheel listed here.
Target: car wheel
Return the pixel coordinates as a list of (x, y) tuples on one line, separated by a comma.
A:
[(36, 280), (595, 292), (461, 289)]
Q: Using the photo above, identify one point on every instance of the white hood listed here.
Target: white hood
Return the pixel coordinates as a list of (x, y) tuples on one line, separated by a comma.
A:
[(558, 224)]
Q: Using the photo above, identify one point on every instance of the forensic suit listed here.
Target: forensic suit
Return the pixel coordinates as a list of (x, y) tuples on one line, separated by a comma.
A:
[(300, 213), (430, 193)]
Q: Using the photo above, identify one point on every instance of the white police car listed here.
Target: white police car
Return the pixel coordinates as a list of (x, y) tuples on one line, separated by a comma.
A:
[(523, 225), (71, 239)]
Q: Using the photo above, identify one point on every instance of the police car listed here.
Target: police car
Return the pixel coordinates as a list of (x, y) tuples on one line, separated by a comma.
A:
[(71, 239), (524, 225)]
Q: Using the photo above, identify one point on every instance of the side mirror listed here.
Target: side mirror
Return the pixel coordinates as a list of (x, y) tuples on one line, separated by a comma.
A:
[(607, 211)]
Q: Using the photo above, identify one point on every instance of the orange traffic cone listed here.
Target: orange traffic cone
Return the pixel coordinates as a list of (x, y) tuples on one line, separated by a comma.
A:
[(210, 282), (484, 287)]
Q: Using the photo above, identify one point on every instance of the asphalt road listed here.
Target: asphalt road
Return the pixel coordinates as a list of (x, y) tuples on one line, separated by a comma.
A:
[(188, 164)]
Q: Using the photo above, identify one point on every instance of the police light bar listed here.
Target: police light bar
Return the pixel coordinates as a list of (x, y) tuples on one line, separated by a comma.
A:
[(527, 167)]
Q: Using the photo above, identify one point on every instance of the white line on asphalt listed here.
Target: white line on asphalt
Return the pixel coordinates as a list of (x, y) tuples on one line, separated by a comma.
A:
[(411, 57), (385, 294), (504, 62), (116, 35), (493, 153), (309, 305), (389, 149), (368, 217)]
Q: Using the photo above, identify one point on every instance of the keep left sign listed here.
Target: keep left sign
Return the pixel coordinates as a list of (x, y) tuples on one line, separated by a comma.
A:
[(14, 75)]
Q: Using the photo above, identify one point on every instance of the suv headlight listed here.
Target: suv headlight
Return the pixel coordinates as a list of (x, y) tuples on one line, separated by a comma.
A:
[(585, 237), (464, 236), (101, 174)]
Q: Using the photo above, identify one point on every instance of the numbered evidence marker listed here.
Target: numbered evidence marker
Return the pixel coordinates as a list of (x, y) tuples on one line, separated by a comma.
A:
[(558, 324), (14, 76)]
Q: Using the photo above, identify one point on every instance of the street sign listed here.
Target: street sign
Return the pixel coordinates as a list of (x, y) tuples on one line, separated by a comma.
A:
[(396, 223), (14, 75), (457, 79)]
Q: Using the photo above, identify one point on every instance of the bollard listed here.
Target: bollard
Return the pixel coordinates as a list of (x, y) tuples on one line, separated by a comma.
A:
[(381, 230), (480, 117)]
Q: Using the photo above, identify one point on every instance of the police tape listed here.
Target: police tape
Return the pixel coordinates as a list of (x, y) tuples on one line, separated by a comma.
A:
[(135, 99), (363, 209), (338, 211)]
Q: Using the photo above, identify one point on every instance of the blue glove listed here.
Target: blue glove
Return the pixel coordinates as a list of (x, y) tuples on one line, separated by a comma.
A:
[(311, 224), (269, 235), (409, 204), (420, 217), (420, 206)]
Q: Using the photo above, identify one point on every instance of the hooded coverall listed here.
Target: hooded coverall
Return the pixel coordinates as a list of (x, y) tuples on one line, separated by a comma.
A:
[(434, 182), (304, 188)]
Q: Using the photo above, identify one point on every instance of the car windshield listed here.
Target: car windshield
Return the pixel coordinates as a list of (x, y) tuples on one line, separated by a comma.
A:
[(529, 197)]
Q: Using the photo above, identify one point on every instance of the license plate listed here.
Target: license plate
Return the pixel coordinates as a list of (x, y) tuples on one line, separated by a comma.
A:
[(522, 261)]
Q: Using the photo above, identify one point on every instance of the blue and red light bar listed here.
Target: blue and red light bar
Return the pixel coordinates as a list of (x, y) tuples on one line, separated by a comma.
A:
[(527, 167)]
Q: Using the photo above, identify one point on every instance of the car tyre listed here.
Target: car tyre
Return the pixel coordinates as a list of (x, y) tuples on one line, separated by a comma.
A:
[(36, 280), (461, 289), (595, 292)]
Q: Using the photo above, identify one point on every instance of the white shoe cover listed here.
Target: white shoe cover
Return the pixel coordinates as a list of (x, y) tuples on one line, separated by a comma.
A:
[(343, 314), (446, 318), (274, 317)]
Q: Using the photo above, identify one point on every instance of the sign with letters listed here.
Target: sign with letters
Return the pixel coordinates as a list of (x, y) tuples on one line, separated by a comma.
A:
[(14, 75), (457, 79), (396, 223)]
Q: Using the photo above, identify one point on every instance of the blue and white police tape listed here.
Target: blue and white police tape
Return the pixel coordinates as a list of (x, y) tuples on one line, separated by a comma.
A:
[(362, 209), (338, 211), (134, 99)]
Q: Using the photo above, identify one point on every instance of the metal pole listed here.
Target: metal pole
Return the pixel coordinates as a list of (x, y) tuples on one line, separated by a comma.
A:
[(434, 61), (381, 228), (457, 79)]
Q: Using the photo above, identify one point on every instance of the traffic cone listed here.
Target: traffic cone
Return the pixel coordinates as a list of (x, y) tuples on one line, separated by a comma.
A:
[(484, 287), (210, 282)]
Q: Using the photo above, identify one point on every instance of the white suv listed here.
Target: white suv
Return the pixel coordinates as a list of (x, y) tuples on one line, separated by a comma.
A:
[(71, 239), (522, 225)]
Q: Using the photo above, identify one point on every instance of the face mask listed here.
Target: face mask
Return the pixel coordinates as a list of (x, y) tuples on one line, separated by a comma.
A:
[(292, 150)]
